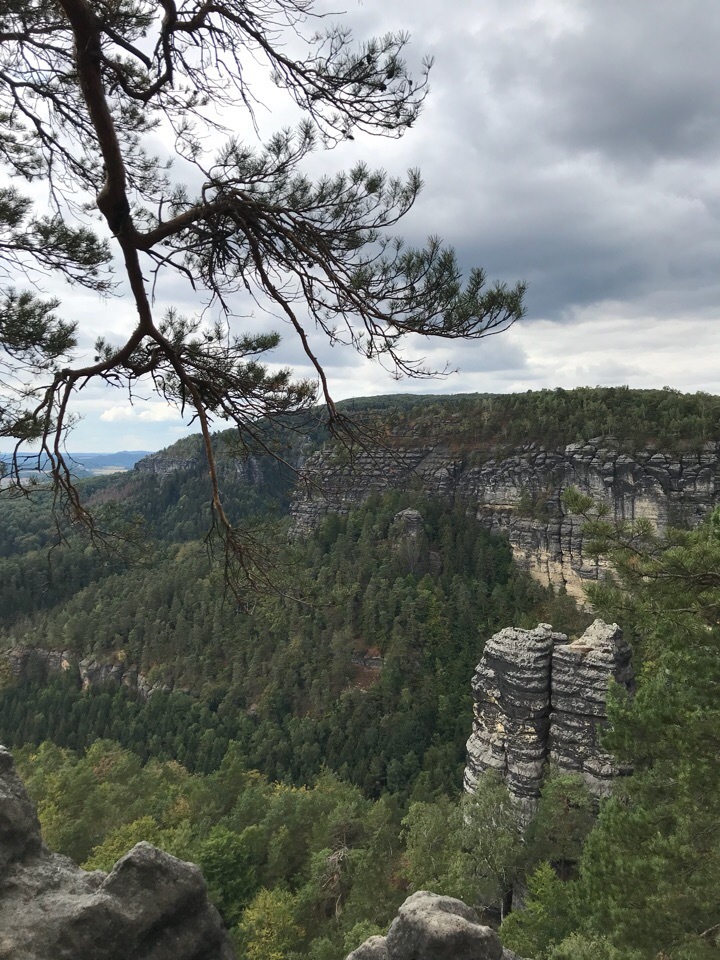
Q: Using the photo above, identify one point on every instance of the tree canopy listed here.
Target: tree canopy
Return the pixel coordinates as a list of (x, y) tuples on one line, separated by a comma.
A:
[(646, 886), (89, 89)]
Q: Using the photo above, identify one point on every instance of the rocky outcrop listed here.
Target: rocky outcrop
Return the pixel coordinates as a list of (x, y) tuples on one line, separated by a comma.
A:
[(511, 691), (33, 664), (150, 906), (520, 494), (37, 665), (409, 524), (331, 482), (162, 466), (540, 702), (247, 470), (100, 673), (580, 674), (433, 927)]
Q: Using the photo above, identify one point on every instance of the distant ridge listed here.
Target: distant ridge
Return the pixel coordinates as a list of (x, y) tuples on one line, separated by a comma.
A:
[(493, 424), (85, 463)]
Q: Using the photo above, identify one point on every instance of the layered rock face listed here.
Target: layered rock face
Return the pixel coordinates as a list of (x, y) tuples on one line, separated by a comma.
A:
[(521, 494), (541, 702), (511, 690), (432, 927), (248, 470), (580, 674), (330, 484), (151, 906), (162, 466), (28, 664)]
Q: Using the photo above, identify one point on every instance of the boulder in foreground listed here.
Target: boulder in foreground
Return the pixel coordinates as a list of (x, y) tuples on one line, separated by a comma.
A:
[(433, 927), (151, 906)]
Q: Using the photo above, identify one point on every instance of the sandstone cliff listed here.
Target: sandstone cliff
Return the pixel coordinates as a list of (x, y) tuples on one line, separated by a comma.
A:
[(520, 494), (151, 906), (162, 465), (539, 703)]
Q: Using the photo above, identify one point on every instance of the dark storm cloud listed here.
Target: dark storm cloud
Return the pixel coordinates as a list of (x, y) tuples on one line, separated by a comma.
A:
[(637, 81), (573, 144)]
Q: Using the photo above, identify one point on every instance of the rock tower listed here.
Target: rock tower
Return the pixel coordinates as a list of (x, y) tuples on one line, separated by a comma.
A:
[(540, 702)]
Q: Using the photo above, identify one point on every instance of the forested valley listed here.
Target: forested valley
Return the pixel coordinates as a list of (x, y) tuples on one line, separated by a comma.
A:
[(305, 745)]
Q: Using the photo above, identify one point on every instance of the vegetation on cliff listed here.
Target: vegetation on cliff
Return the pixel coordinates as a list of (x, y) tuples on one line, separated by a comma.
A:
[(489, 425), (647, 883), (350, 686)]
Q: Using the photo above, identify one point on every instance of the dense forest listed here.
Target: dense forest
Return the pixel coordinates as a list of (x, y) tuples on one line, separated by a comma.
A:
[(488, 424), (306, 747), (359, 663)]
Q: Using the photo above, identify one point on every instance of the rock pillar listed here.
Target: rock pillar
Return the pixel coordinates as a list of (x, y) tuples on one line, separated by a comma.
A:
[(541, 702)]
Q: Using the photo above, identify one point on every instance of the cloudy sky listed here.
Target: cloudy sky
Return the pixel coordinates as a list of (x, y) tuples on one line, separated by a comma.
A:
[(574, 144)]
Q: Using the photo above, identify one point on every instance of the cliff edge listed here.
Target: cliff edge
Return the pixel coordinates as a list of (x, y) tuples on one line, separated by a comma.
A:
[(520, 493)]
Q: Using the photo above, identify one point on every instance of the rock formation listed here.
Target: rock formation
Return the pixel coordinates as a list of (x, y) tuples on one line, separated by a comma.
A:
[(36, 664), (541, 701), (520, 494), (162, 465), (32, 664), (151, 906), (580, 674), (511, 690), (248, 470), (432, 927)]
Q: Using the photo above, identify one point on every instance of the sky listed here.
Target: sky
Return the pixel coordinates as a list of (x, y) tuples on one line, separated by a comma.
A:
[(573, 144)]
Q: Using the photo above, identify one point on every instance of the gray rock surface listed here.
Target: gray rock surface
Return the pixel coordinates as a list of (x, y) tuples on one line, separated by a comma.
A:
[(19, 825), (162, 465), (373, 949), (581, 672), (409, 523), (433, 927), (540, 700), (521, 494), (248, 470), (511, 715), (151, 906), (35, 664)]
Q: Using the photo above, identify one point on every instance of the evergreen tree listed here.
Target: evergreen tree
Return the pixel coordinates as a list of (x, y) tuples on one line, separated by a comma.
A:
[(85, 86), (647, 883)]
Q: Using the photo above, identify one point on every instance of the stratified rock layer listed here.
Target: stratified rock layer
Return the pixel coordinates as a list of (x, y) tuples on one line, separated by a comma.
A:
[(511, 689), (151, 906), (35, 664), (432, 927), (539, 700), (581, 672), (520, 494)]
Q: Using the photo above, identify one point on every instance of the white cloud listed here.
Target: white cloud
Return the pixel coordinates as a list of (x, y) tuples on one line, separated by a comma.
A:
[(150, 413)]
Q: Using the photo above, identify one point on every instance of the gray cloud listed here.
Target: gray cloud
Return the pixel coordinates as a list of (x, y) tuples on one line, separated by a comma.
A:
[(636, 82), (574, 145), (571, 143)]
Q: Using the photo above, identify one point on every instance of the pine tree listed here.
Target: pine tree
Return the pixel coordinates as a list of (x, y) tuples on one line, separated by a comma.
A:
[(648, 873), (86, 87)]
